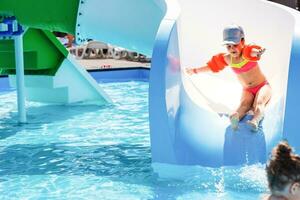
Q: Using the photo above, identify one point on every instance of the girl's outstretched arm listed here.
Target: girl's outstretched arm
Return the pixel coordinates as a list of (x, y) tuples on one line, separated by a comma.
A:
[(215, 64), (253, 52), (197, 70)]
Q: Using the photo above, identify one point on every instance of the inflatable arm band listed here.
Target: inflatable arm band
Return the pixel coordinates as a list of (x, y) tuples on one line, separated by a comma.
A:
[(248, 50), (217, 62)]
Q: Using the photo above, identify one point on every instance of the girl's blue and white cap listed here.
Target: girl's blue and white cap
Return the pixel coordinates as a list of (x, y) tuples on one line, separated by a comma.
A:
[(233, 34)]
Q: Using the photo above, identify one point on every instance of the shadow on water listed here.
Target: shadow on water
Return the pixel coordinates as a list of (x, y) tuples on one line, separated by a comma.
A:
[(128, 163), (64, 159), (41, 115), (124, 162)]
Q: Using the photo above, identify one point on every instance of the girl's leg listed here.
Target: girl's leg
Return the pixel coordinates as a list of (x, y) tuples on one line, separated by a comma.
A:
[(263, 96), (245, 105)]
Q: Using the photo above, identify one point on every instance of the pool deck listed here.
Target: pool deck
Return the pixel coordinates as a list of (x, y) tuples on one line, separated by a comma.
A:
[(104, 64)]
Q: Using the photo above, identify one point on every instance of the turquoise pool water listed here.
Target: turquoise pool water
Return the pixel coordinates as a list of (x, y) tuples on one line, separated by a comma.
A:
[(92, 152)]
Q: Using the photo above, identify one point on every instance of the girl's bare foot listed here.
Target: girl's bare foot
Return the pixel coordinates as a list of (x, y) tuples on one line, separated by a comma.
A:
[(253, 124), (234, 120)]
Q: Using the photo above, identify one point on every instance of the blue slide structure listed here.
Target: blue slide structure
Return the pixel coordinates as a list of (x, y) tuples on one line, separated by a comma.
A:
[(189, 114)]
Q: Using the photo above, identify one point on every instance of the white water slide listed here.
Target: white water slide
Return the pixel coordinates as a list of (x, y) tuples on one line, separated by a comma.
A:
[(187, 121)]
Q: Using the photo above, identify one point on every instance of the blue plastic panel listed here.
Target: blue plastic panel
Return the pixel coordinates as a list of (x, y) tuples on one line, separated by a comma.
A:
[(291, 121), (119, 75), (130, 74)]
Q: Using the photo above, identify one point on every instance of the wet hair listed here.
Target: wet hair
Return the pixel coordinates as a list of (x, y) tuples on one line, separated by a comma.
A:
[(283, 167)]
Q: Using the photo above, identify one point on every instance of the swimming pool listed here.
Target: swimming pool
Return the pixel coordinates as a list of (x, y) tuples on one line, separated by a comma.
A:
[(92, 152)]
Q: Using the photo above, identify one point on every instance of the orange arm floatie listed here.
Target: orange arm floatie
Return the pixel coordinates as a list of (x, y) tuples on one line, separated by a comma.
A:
[(217, 63), (247, 51)]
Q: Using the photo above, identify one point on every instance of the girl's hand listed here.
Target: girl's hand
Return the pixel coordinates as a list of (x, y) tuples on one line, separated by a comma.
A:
[(191, 71), (257, 52), (260, 52)]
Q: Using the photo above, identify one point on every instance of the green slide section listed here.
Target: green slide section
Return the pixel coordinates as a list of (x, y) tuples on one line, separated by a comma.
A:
[(43, 53), (60, 15)]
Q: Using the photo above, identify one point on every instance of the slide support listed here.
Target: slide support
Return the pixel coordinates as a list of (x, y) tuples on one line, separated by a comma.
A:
[(20, 74)]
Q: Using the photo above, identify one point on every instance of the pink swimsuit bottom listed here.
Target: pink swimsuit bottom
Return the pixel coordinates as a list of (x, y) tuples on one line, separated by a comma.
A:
[(255, 89)]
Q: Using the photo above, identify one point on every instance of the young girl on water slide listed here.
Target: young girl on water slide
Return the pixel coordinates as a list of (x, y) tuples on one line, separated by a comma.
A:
[(242, 59)]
